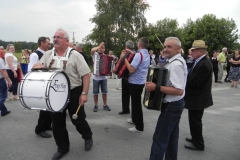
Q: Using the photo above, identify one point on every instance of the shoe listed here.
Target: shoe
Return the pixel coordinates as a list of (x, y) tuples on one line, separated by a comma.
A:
[(49, 129), (119, 88), (88, 144), (120, 113), (110, 77), (133, 129), (192, 147), (232, 86), (44, 134), (106, 108), (15, 98), (225, 80), (4, 114), (58, 155), (130, 121), (189, 140), (95, 109)]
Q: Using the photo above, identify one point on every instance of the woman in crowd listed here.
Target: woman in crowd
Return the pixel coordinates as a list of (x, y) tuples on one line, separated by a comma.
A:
[(214, 61), (189, 60), (25, 61), (234, 73), (162, 59), (11, 67)]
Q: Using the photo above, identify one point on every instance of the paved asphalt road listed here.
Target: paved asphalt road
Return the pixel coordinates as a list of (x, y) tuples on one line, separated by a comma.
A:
[(112, 140)]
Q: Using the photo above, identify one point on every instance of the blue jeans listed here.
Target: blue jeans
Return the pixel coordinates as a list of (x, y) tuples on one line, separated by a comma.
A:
[(3, 95), (24, 68), (165, 138), (97, 84)]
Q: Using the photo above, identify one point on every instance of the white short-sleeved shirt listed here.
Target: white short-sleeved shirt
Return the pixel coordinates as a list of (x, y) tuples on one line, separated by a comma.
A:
[(15, 61), (1, 67), (177, 77), (76, 66), (97, 77)]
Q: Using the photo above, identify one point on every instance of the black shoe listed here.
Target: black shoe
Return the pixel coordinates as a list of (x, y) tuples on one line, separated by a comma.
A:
[(49, 128), (189, 140), (58, 155), (88, 144), (106, 108), (95, 109), (123, 113), (4, 114), (192, 147), (44, 134)]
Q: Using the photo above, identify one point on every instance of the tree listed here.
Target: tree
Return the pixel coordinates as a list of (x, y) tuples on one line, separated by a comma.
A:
[(18, 46), (161, 30), (217, 33), (116, 22)]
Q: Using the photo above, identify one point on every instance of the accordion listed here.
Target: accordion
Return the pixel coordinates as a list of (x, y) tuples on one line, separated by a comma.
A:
[(102, 65), (158, 75), (121, 68)]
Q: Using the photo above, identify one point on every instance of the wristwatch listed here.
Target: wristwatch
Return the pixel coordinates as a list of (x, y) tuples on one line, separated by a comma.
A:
[(84, 93)]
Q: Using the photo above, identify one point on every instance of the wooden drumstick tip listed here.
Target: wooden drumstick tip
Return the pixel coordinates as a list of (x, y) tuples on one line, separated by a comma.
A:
[(75, 116)]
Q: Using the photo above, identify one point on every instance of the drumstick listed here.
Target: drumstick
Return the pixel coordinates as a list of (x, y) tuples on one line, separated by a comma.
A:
[(75, 116), (159, 40)]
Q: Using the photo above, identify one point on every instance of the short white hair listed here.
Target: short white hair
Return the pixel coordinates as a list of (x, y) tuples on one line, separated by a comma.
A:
[(66, 34), (178, 42), (224, 48)]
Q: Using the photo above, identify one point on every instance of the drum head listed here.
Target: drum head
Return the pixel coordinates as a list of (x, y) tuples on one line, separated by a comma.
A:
[(59, 92)]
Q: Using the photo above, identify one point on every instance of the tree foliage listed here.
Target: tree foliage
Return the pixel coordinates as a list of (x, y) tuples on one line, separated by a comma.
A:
[(161, 30), (217, 33), (116, 22)]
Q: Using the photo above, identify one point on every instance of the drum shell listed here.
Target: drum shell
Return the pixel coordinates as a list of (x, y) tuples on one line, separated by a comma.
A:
[(45, 91)]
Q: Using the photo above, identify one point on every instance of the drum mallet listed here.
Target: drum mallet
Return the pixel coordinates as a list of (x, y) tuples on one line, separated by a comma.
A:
[(75, 116)]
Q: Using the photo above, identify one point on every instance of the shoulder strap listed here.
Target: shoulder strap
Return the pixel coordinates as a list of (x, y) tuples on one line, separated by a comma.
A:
[(141, 57), (39, 53)]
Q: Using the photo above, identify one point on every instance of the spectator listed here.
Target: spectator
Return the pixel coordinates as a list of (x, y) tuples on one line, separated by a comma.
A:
[(234, 73), (25, 61), (214, 61)]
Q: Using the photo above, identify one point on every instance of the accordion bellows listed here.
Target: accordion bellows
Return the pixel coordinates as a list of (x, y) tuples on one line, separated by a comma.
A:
[(102, 65), (158, 75)]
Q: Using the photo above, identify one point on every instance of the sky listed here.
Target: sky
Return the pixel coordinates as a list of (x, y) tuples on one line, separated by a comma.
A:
[(26, 20)]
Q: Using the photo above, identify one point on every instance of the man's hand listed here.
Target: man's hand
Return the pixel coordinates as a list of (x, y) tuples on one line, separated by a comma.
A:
[(38, 65), (101, 44), (83, 99), (9, 83), (150, 86), (15, 75)]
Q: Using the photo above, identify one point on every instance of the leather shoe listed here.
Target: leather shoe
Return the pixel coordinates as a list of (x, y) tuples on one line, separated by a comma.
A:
[(58, 155), (44, 134), (4, 114), (189, 140), (123, 113), (88, 144), (192, 147), (49, 128)]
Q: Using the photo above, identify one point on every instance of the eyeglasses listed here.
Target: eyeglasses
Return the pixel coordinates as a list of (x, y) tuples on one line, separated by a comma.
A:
[(58, 37)]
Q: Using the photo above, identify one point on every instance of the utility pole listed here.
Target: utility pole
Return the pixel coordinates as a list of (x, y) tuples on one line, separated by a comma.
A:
[(73, 38)]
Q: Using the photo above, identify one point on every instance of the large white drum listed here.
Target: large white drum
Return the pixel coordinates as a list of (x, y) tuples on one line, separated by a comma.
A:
[(45, 90)]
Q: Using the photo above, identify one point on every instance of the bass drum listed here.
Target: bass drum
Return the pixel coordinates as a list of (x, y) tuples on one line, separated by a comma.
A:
[(45, 90)]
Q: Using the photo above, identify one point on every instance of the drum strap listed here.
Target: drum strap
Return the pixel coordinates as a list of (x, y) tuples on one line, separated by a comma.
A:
[(64, 59)]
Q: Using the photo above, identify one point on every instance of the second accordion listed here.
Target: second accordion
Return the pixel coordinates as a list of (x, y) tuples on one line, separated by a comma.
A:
[(102, 65), (158, 75)]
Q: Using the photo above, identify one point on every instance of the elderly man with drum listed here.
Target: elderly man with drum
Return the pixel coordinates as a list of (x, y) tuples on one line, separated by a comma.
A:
[(77, 71)]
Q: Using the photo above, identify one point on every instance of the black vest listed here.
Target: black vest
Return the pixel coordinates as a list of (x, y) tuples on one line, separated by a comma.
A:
[(39, 53)]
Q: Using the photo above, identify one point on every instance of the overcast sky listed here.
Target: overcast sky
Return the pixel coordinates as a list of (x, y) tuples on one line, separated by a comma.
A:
[(26, 20)]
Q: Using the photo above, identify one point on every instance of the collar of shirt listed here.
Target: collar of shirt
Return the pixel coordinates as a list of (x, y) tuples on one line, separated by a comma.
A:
[(142, 51), (43, 52), (197, 60)]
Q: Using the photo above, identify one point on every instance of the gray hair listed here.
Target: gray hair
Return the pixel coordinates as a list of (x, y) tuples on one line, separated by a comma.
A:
[(79, 45), (224, 48), (129, 44), (178, 42), (66, 34), (1, 47), (144, 42)]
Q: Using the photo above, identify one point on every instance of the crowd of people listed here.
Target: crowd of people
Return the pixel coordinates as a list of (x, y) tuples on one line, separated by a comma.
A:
[(188, 86)]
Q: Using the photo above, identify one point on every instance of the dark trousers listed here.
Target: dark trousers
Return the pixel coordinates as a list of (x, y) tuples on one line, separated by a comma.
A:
[(125, 95), (137, 113), (165, 138), (3, 95), (24, 68), (228, 69), (195, 124), (14, 87), (215, 72), (60, 132), (44, 121)]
